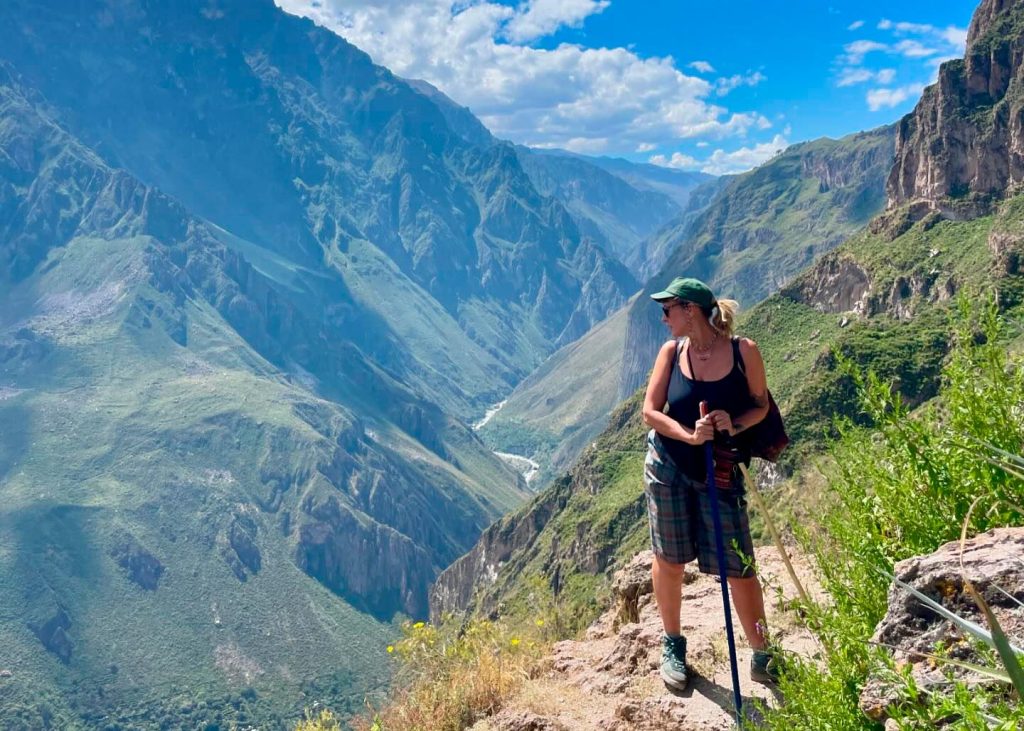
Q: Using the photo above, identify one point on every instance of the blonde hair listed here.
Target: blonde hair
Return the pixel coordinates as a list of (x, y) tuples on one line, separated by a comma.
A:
[(723, 316)]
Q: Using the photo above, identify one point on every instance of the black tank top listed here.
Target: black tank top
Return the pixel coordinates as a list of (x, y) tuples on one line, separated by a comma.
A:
[(731, 394)]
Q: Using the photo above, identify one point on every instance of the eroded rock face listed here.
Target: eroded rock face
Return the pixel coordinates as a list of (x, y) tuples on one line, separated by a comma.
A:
[(990, 560), (517, 720), (371, 565), (963, 145), (53, 633), (141, 566), (240, 550), (837, 284), (454, 588)]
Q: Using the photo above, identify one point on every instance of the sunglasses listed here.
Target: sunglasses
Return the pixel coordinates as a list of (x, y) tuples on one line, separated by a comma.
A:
[(665, 309)]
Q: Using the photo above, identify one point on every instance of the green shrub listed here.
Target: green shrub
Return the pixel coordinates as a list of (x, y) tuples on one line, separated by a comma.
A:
[(901, 487)]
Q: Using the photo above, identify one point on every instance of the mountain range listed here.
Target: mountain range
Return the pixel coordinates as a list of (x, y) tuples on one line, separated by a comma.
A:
[(253, 287), (747, 235), (951, 231)]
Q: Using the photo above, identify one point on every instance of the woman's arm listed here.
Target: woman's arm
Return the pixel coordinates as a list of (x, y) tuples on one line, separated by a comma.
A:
[(758, 385), (657, 395)]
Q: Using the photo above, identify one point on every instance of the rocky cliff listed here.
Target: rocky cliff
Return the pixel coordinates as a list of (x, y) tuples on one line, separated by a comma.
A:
[(567, 537), (963, 145)]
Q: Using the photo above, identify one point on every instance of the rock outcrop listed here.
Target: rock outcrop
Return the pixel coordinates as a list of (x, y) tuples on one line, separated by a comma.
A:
[(141, 566), (454, 589), (963, 145), (239, 547), (53, 633), (609, 680), (558, 534), (838, 284), (991, 562)]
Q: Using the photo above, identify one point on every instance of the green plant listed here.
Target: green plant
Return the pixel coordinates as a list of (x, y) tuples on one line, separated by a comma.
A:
[(899, 487)]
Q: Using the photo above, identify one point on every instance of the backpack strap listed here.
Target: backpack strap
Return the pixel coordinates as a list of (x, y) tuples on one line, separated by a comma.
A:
[(736, 356)]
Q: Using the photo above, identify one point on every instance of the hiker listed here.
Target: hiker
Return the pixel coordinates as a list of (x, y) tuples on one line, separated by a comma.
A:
[(703, 362)]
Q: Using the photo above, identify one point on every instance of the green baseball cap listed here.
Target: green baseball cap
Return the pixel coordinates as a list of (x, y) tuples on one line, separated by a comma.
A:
[(689, 290)]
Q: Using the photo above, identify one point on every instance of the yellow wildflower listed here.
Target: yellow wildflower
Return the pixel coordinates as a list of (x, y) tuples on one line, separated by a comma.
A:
[(391, 648), (418, 625), (539, 623), (515, 642)]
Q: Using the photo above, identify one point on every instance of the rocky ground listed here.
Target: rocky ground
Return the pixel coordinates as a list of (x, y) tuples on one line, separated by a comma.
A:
[(609, 680)]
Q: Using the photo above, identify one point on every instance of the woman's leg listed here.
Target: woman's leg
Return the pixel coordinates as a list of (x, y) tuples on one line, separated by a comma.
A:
[(668, 592), (749, 601)]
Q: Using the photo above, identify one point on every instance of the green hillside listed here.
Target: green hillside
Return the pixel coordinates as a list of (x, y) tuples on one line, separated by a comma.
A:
[(592, 518), (196, 529), (555, 412), (746, 234)]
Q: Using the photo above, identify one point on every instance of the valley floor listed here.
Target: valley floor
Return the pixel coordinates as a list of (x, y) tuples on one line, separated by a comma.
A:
[(609, 680)]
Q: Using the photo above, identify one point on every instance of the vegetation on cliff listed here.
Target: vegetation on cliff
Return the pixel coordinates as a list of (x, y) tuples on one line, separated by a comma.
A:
[(901, 486)]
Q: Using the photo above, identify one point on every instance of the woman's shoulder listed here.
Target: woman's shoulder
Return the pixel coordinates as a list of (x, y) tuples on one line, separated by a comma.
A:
[(747, 345), (669, 346)]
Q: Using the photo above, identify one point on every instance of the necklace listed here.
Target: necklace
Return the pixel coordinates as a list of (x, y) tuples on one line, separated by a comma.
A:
[(703, 353)]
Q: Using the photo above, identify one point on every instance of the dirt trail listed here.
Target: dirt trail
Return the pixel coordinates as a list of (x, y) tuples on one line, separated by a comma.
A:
[(609, 680)]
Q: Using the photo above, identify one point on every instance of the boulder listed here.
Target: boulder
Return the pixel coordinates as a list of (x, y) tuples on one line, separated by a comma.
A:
[(991, 562), (633, 588), (513, 720)]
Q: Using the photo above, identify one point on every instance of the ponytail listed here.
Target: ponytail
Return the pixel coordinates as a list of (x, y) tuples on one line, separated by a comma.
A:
[(723, 316)]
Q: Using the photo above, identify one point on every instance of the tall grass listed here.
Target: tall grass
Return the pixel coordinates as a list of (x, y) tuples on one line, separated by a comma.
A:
[(900, 488), (452, 674)]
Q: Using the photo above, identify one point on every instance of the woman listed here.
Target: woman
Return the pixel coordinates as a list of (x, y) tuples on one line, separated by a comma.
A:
[(702, 363)]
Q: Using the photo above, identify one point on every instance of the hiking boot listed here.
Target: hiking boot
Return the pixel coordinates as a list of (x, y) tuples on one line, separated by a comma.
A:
[(673, 662), (764, 666)]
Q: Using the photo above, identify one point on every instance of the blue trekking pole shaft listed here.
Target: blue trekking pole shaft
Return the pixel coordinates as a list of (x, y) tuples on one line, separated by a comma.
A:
[(716, 519)]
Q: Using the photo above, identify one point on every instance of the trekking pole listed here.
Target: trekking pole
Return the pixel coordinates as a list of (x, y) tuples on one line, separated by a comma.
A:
[(716, 519), (762, 507)]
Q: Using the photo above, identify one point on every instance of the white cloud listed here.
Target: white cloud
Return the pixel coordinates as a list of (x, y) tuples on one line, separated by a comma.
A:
[(542, 17), (938, 61), (702, 67), (854, 75), (921, 42), (645, 147), (745, 158), (858, 75), (884, 98), (703, 143), (587, 98), (885, 76), (956, 37), (727, 83), (721, 162), (855, 25), (857, 50), (951, 35), (914, 49), (678, 160)]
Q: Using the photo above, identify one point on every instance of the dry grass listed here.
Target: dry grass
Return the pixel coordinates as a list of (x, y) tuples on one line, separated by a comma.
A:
[(451, 675)]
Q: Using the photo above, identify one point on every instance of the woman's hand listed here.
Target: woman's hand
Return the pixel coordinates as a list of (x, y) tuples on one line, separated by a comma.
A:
[(722, 421), (703, 430)]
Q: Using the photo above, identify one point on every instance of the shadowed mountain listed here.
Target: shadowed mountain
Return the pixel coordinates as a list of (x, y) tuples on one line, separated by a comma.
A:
[(616, 203), (250, 287)]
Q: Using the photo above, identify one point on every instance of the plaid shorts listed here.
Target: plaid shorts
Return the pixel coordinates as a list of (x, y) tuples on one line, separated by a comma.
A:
[(679, 510)]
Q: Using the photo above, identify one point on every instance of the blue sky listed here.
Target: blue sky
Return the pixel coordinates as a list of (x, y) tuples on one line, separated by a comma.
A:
[(692, 85)]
